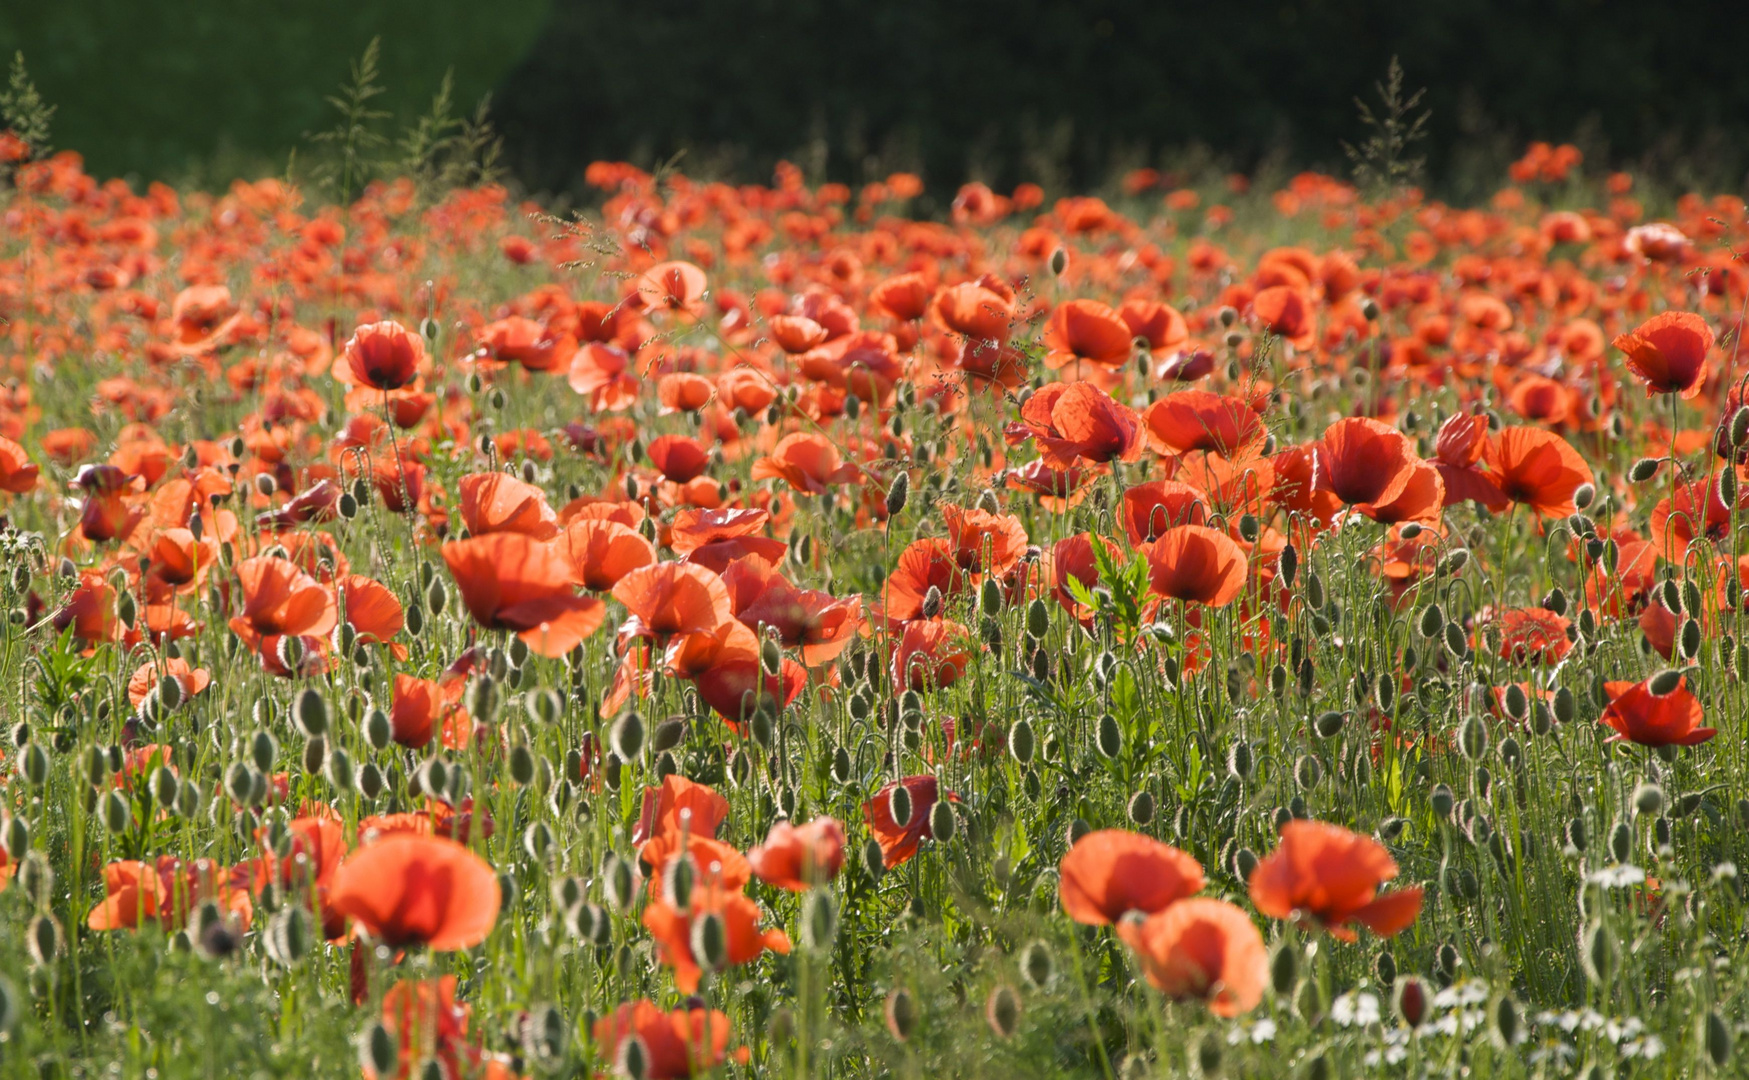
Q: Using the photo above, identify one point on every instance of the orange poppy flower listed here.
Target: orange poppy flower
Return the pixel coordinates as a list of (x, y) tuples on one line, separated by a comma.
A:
[(1668, 352), (1197, 564), (1640, 716), (666, 599), (1421, 500), (1330, 877), (1159, 325), (799, 857), (1697, 510), (717, 864), (818, 623), (974, 310), (1202, 950), (1187, 420), (1150, 509), (382, 355), (496, 502), (1364, 462), (1287, 311), (1529, 635), (1086, 331), (598, 372), (678, 458), (737, 686), (923, 564), (18, 474), (510, 581), (524, 341), (165, 892), (984, 543), (407, 890), (106, 515), (899, 842), (684, 391), (671, 930), (677, 1045), (808, 462), (1537, 468), (1112, 871), (1072, 559), (1461, 442), (373, 611), (415, 709)]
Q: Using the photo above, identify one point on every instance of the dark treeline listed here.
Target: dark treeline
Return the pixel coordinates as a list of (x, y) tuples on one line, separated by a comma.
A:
[(1067, 91)]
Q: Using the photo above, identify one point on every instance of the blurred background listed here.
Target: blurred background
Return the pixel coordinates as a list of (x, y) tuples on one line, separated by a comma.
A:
[(1063, 92)]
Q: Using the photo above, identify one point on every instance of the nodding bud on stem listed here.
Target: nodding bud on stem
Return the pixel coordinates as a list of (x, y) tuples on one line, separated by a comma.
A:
[(1644, 469)]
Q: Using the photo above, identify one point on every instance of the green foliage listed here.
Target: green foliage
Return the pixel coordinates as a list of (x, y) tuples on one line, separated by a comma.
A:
[(23, 110)]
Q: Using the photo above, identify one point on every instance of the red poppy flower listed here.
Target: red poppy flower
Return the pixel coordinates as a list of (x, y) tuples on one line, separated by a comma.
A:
[(524, 341), (165, 892), (1072, 559), (676, 1045), (415, 710), (737, 686), (1462, 441), (899, 842), (664, 809), (672, 286), (1668, 352), (1330, 877), (715, 538), (1640, 716), (1537, 468), (808, 462), (1529, 635), (818, 623), (1111, 871), (280, 600), (106, 514), (931, 654), (1287, 312), (1086, 331), (147, 676), (1149, 510), (983, 542), (1421, 500), (496, 502), (1187, 420), (1364, 462), (799, 857), (1202, 950), (717, 864), (904, 297), (679, 459), (1196, 564), (1080, 422), (407, 890), (975, 310), (923, 564), (602, 552), (18, 474), (671, 930), (673, 598), (510, 581), (383, 356), (1160, 325)]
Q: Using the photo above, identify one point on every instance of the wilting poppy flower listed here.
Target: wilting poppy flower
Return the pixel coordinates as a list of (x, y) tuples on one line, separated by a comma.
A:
[(18, 474), (799, 857), (410, 890), (1640, 716), (496, 502), (671, 929), (1086, 331), (1201, 950), (1111, 871), (1196, 564), (676, 1045), (1537, 468), (1668, 352), (899, 842), (674, 598), (1188, 420), (1330, 877), (1364, 462), (603, 552), (807, 462), (510, 581), (383, 355), (318, 502), (664, 807)]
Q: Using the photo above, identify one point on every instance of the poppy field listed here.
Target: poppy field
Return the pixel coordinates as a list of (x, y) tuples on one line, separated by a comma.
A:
[(1216, 629)]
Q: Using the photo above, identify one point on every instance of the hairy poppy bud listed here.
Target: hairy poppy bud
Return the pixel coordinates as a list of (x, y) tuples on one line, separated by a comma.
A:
[(1002, 1011), (898, 494), (1038, 965), (1599, 953), (819, 920), (942, 822), (1643, 469), (1284, 968), (1059, 262), (901, 1013), (1412, 1001)]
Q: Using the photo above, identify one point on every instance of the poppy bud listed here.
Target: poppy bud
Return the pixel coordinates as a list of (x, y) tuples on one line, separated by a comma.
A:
[(1022, 742), (1621, 841), (1643, 469), (45, 940), (1078, 828), (1649, 799), (898, 494), (1002, 1011), (1442, 802), (1308, 771), (1207, 1054), (1141, 807), (125, 610), (819, 921), (1385, 967), (289, 935), (1718, 1033), (1110, 737), (710, 941), (1329, 725), (1287, 565), (1599, 953), (378, 1051), (1059, 262), (1037, 965), (16, 838), (899, 805), (901, 1013), (942, 822), (1228, 315), (1038, 619), (164, 786), (1412, 1001), (619, 882), (873, 860), (1284, 968), (311, 711), (537, 840), (34, 764), (632, 1060)]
